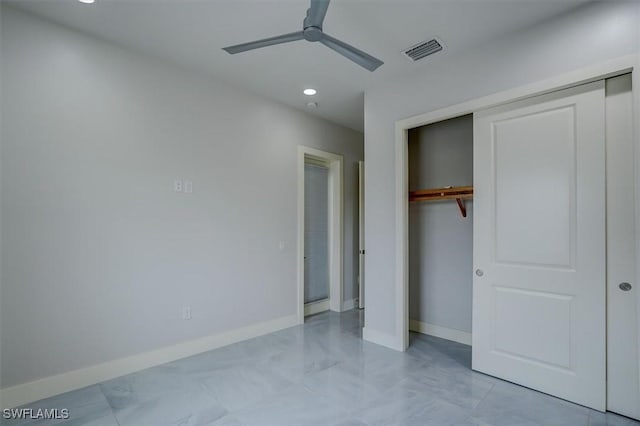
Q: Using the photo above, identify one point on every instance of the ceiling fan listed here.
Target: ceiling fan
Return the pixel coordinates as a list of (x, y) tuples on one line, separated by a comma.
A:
[(312, 31)]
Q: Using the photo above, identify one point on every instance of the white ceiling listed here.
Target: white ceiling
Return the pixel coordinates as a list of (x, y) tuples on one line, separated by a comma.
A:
[(192, 33)]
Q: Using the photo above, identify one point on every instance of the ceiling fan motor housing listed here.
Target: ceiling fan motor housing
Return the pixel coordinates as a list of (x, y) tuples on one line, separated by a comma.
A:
[(312, 33)]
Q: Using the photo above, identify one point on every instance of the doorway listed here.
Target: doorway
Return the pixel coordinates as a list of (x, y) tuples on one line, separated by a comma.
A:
[(320, 232), (316, 237)]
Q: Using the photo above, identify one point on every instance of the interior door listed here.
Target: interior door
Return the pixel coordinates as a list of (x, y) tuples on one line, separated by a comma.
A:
[(623, 387), (539, 244), (361, 251)]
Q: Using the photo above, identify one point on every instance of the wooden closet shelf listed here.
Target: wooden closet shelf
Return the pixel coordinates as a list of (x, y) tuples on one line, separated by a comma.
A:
[(463, 192), (457, 193)]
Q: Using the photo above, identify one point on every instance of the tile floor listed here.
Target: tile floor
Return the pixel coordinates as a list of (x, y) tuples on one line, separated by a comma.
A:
[(321, 373)]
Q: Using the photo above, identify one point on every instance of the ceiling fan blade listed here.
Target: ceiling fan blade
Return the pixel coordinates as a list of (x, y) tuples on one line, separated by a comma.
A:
[(316, 13), (356, 55), (285, 38)]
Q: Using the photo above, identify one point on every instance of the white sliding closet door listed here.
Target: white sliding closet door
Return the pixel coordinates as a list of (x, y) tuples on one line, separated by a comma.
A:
[(539, 244), (623, 387)]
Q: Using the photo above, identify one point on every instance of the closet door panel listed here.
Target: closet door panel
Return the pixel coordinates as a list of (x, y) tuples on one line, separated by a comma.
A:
[(539, 244), (623, 384), (534, 169)]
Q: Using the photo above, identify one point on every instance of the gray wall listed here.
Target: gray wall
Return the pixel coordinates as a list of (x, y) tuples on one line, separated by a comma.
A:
[(440, 239), (99, 254), (591, 34)]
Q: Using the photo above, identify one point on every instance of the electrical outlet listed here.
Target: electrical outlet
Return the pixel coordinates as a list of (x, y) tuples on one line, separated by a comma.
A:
[(186, 313), (188, 186), (177, 185)]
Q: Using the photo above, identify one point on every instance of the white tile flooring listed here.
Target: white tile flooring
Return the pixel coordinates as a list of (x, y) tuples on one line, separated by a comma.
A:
[(321, 373)]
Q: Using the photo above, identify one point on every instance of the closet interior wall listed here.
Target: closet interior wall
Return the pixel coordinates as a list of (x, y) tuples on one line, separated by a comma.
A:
[(440, 238)]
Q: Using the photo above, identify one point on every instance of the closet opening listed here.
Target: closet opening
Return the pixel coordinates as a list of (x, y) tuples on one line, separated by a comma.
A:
[(440, 229)]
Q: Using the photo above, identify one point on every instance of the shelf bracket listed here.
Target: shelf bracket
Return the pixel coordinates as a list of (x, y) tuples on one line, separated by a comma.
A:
[(463, 209)]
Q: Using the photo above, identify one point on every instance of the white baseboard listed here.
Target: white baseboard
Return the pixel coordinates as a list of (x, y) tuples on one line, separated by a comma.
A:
[(76, 379), (384, 339), (313, 308), (348, 305), (442, 332)]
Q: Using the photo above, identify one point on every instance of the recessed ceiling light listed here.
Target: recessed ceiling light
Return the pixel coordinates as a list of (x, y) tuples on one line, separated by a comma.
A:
[(312, 105), (86, 1), (309, 92)]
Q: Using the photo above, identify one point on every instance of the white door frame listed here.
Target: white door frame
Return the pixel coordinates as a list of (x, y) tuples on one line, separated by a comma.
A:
[(334, 162), (601, 71), (361, 250)]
